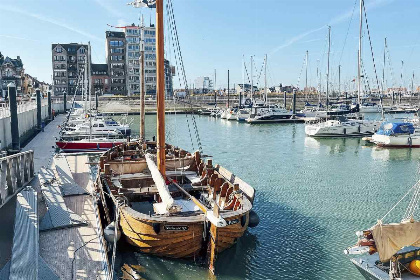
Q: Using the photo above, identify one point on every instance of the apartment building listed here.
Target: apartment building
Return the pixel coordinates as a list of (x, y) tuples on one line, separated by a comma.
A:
[(68, 62), (116, 61)]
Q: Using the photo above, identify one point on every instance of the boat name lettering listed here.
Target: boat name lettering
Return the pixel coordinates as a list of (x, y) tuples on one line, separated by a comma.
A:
[(172, 227)]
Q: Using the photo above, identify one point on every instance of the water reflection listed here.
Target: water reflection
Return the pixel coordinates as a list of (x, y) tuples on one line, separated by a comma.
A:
[(333, 145), (391, 154)]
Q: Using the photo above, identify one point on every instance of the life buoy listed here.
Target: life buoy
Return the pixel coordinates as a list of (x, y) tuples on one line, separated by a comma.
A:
[(248, 101)]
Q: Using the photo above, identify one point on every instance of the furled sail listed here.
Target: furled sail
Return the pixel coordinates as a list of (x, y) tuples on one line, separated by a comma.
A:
[(165, 195), (390, 238)]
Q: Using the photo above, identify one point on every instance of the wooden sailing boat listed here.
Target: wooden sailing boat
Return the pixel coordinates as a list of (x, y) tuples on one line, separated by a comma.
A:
[(180, 206)]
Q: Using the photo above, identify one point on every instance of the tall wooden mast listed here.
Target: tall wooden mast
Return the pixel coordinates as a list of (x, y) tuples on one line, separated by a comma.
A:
[(142, 81), (160, 88)]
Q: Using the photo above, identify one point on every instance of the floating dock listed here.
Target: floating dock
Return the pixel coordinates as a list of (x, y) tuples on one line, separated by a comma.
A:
[(68, 235)]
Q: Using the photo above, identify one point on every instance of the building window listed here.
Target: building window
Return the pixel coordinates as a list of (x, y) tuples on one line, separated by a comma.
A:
[(59, 49), (82, 50)]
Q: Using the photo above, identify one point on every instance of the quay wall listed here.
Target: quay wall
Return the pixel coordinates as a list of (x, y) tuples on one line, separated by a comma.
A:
[(131, 105), (27, 120)]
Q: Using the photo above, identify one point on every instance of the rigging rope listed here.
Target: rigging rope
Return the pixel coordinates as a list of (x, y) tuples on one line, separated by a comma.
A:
[(347, 33), (413, 205), (371, 48), (174, 30), (246, 72), (178, 66), (399, 201), (390, 66)]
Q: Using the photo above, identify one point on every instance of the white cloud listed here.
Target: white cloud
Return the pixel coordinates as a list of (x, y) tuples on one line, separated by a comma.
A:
[(295, 39), (122, 22), (106, 6), (52, 21), (336, 20), (19, 38)]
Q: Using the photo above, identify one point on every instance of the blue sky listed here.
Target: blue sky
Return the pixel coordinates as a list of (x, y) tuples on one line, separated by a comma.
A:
[(217, 34)]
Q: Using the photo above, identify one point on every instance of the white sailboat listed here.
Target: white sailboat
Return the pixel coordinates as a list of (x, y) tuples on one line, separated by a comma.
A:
[(267, 113), (342, 127)]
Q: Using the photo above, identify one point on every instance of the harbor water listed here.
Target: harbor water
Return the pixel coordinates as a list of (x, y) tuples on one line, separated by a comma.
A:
[(312, 195)]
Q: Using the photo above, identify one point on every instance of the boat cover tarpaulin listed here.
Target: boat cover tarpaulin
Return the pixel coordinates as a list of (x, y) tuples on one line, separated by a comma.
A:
[(390, 238), (388, 128)]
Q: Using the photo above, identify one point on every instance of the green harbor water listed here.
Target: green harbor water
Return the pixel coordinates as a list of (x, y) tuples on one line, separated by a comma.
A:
[(311, 195)]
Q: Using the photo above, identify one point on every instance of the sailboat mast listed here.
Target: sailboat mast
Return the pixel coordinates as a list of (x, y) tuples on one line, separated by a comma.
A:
[(243, 82), (306, 79), (215, 90), (359, 86), (228, 103), (383, 71), (252, 83), (160, 89), (412, 87), (142, 80), (328, 63), (339, 80), (265, 79), (319, 82), (89, 77)]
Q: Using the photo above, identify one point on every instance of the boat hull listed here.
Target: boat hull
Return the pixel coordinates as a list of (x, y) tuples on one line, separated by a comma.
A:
[(86, 146), (162, 238), (370, 109), (397, 141), (340, 131), (227, 236), (366, 274)]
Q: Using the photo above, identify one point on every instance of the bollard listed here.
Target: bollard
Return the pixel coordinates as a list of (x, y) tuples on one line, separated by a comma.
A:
[(96, 99), (14, 124), (38, 108), (65, 101), (294, 102), (49, 106), (284, 99)]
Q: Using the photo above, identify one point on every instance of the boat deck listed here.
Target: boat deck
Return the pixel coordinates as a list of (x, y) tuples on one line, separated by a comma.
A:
[(58, 247)]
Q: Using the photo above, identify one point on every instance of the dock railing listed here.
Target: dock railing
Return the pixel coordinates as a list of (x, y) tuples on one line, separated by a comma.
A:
[(15, 172)]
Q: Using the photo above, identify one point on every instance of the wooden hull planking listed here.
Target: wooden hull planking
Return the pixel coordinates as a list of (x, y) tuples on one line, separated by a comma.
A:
[(173, 240)]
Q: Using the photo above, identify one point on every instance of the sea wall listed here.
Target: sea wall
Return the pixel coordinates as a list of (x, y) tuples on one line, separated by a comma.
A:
[(26, 119)]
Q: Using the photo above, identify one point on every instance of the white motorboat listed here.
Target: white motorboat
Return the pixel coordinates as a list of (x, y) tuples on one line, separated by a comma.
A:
[(269, 115), (231, 114), (242, 115), (342, 128), (223, 113), (96, 128), (370, 108), (401, 135)]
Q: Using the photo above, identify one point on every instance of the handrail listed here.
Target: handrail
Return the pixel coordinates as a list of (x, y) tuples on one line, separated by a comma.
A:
[(16, 171)]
